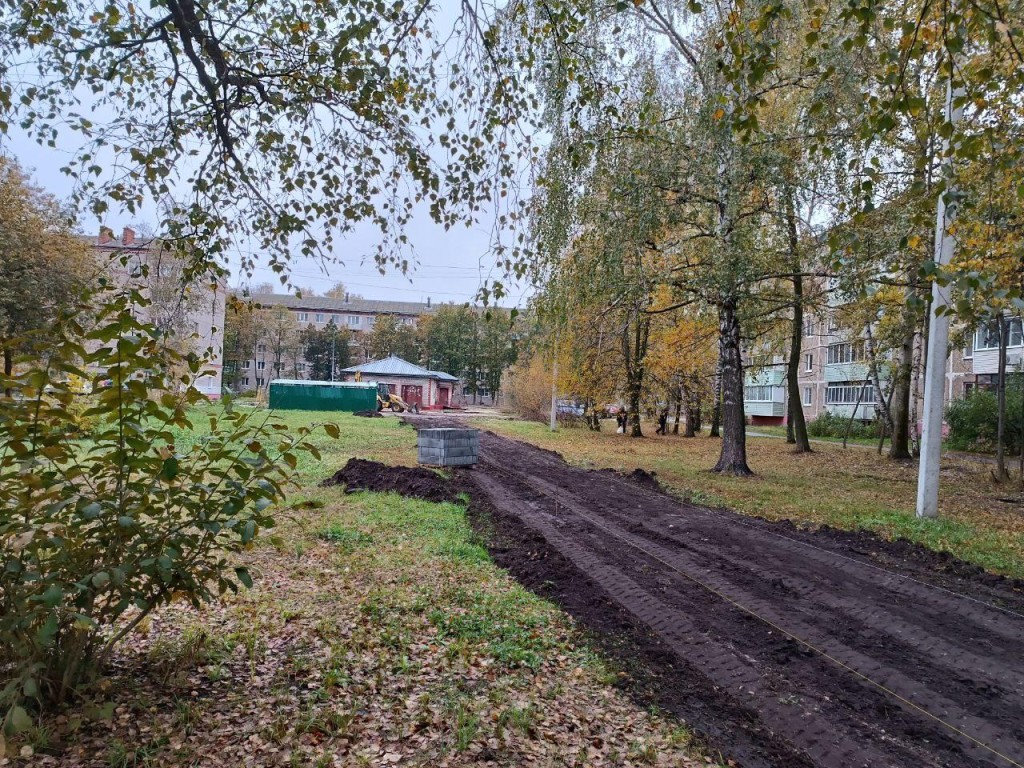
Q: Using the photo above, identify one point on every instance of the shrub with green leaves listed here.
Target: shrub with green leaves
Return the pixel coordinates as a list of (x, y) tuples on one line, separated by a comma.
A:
[(829, 424), (100, 528), (973, 420)]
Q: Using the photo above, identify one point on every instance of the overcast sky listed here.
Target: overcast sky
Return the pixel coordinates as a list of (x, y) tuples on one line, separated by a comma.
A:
[(452, 265)]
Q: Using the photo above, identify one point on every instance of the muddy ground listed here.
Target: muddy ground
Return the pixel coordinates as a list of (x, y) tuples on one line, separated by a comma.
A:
[(778, 646), (415, 482)]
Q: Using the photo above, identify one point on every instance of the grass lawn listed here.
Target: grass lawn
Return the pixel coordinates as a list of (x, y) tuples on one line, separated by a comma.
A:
[(378, 633), (777, 431), (851, 488)]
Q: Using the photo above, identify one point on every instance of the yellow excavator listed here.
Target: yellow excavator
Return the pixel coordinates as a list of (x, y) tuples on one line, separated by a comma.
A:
[(388, 399)]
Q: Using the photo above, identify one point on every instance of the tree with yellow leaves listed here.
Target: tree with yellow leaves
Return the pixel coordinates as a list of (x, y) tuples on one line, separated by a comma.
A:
[(682, 357), (44, 266)]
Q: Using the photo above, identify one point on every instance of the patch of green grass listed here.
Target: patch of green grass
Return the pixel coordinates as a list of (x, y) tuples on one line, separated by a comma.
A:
[(508, 624), (122, 755), (522, 719), (385, 439), (187, 714), (436, 530), (503, 624), (466, 724), (347, 539), (39, 737), (981, 547), (780, 432)]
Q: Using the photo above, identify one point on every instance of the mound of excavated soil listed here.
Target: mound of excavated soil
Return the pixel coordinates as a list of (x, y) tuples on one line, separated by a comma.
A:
[(645, 479), (417, 482), (369, 414)]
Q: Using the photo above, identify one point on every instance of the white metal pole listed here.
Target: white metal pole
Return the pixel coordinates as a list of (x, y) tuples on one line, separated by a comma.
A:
[(554, 387), (938, 328)]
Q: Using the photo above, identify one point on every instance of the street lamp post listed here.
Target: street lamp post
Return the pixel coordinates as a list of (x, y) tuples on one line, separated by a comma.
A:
[(938, 323)]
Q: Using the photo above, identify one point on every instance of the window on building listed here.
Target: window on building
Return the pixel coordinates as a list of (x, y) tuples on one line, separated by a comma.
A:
[(261, 347), (809, 326), (833, 324), (352, 319), (1016, 336), (969, 348), (409, 320), (260, 381), (845, 352), (300, 367), (760, 393), (986, 382), (261, 364), (319, 317), (303, 317), (247, 364), (845, 393), (988, 335), (808, 362), (245, 382), (983, 381), (808, 395)]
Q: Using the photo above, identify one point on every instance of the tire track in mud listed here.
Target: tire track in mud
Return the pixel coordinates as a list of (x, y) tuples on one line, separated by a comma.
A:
[(757, 695)]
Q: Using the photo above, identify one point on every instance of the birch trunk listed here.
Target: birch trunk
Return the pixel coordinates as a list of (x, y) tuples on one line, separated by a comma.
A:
[(899, 446), (733, 458), (716, 411), (797, 425)]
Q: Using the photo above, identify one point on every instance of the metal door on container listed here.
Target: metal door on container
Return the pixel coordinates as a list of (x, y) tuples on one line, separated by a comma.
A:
[(412, 394)]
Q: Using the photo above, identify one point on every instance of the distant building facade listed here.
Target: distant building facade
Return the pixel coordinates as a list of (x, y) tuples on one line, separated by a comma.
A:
[(197, 317), (356, 314), (835, 374)]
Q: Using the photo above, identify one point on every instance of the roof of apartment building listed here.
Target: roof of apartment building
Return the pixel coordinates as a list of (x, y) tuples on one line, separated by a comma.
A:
[(353, 304), (396, 366), (127, 240)]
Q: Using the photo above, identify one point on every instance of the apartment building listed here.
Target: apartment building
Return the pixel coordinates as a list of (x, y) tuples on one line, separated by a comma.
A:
[(834, 372), (196, 316), (356, 314)]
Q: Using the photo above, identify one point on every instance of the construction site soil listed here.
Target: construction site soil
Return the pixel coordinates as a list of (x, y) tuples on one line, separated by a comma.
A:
[(778, 646), (415, 482)]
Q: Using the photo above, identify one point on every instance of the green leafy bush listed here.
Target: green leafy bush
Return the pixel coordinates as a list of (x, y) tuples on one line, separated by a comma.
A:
[(830, 424), (97, 531), (973, 420)]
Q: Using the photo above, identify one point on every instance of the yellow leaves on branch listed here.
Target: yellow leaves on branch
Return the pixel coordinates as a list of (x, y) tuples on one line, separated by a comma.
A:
[(682, 342)]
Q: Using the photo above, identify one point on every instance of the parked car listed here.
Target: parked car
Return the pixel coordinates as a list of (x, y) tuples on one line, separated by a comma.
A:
[(569, 408)]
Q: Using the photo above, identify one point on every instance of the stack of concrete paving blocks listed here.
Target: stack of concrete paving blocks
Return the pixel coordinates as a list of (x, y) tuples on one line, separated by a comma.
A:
[(448, 447)]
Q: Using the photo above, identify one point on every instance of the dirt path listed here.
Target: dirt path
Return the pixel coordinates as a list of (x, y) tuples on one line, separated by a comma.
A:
[(781, 647)]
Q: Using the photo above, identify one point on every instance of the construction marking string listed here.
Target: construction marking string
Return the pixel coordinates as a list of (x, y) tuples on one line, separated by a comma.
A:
[(993, 606), (784, 631), (985, 603)]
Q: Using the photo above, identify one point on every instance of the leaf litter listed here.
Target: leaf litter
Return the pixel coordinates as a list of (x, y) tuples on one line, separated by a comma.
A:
[(409, 649)]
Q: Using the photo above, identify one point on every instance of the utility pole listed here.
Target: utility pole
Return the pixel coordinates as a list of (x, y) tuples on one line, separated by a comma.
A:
[(554, 387), (332, 356), (938, 320)]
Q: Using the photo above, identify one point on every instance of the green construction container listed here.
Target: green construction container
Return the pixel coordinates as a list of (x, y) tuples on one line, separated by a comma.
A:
[(300, 395)]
